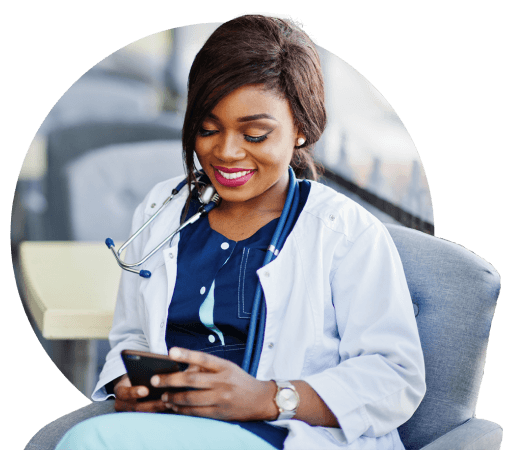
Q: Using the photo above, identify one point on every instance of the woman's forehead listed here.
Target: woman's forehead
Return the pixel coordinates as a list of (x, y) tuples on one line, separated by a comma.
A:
[(252, 102)]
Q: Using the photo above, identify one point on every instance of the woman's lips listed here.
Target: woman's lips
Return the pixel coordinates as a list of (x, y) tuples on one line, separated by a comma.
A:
[(232, 177)]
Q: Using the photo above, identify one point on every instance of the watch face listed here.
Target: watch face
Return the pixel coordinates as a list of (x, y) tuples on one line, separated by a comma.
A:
[(287, 399)]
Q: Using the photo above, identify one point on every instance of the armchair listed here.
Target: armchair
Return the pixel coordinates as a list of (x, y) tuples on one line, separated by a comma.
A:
[(454, 293)]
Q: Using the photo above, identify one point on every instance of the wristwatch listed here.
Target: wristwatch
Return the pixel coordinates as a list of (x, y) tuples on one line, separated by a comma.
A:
[(286, 399)]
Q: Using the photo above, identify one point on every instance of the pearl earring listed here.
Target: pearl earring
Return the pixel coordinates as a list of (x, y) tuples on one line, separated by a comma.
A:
[(301, 141)]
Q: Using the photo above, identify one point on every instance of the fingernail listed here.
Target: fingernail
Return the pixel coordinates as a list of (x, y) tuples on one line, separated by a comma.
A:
[(168, 405), (155, 380), (164, 397), (175, 353), (143, 391)]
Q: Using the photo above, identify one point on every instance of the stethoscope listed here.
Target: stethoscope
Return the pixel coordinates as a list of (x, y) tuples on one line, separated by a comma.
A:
[(210, 199)]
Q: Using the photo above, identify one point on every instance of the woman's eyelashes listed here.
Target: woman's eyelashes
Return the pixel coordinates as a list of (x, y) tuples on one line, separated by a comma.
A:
[(256, 139), (204, 132)]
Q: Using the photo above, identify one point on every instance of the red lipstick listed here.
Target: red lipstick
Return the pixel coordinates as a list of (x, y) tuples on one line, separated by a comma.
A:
[(235, 181)]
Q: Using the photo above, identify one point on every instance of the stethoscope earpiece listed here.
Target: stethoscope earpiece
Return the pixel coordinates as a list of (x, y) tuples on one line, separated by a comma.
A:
[(207, 194)]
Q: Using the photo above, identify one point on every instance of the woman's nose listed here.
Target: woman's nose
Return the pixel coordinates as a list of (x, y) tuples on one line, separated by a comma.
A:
[(229, 148)]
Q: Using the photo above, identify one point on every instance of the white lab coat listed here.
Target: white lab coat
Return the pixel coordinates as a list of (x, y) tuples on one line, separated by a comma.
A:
[(339, 316)]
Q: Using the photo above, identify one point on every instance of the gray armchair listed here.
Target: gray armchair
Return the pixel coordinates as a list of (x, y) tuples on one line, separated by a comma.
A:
[(454, 293), (66, 145)]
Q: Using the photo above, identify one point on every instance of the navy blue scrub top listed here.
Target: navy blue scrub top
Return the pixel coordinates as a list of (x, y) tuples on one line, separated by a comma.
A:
[(213, 295)]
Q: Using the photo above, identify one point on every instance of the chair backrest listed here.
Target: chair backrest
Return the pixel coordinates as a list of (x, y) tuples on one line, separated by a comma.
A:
[(106, 185), (101, 96), (454, 293), (69, 143)]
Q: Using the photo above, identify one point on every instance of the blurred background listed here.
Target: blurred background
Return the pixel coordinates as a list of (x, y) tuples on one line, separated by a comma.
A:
[(116, 132)]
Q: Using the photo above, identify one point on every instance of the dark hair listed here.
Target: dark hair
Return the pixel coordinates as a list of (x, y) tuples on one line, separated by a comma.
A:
[(256, 49)]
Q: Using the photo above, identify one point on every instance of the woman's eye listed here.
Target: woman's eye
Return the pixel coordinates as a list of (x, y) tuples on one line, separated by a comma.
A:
[(204, 132), (255, 139)]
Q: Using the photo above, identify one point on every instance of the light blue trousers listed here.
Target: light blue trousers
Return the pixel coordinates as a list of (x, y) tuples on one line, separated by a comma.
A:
[(136, 431)]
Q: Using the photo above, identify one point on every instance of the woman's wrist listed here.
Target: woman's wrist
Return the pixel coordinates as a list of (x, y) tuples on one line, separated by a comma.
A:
[(269, 411), (312, 409)]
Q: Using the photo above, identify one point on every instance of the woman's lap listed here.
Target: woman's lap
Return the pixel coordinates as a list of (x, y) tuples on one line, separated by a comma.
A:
[(134, 431)]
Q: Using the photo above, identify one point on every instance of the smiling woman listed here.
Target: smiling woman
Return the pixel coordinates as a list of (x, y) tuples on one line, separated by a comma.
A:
[(340, 362), (245, 146)]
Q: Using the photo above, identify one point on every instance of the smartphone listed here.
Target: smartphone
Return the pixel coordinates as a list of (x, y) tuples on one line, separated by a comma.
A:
[(141, 366)]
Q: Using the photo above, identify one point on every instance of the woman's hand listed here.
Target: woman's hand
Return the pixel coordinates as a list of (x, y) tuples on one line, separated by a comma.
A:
[(224, 390), (126, 397)]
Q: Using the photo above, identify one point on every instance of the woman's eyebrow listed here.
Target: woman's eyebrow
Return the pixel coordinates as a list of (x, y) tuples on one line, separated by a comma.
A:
[(256, 117), (246, 118)]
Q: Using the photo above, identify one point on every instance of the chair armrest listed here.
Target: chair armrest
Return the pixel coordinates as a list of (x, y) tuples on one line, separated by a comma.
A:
[(475, 434)]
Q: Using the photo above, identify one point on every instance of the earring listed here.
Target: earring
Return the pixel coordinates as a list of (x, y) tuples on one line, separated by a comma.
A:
[(301, 141)]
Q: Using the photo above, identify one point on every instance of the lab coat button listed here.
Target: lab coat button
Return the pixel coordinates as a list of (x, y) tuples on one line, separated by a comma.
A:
[(225, 245), (162, 324), (211, 338), (153, 205), (202, 290), (171, 255), (332, 217), (266, 274), (270, 345)]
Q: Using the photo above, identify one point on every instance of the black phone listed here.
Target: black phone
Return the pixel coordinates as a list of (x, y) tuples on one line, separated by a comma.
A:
[(142, 366)]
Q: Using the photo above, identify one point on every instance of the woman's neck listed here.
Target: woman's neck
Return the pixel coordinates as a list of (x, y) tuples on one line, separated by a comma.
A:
[(240, 220)]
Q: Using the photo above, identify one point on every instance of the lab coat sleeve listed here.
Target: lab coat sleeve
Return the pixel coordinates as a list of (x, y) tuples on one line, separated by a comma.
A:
[(126, 332), (380, 380)]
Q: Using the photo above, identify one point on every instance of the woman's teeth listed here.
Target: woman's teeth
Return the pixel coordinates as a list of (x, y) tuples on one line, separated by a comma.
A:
[(233, 176)]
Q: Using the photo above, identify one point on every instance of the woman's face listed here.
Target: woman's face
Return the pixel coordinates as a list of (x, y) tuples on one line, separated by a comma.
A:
[(246, 143)]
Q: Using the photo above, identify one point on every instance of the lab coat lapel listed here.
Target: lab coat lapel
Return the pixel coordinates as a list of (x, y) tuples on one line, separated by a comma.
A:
[(289, 320)]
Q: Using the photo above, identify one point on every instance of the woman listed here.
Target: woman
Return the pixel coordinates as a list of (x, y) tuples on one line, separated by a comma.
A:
[(340, 336)]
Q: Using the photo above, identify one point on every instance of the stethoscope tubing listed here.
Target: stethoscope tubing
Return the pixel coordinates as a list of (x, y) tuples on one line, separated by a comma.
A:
[(277, 241), (262, 319), (145, 273)]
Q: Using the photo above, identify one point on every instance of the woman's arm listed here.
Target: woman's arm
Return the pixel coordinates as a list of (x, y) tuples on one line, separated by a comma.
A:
[(380, 380), (226, 392), (312, 408)]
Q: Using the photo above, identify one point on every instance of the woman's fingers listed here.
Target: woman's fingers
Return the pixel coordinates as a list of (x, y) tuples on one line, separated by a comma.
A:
[(131, 392), (209, 362), (199, 374), (204, 397), (126, 397), (193, 379)]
